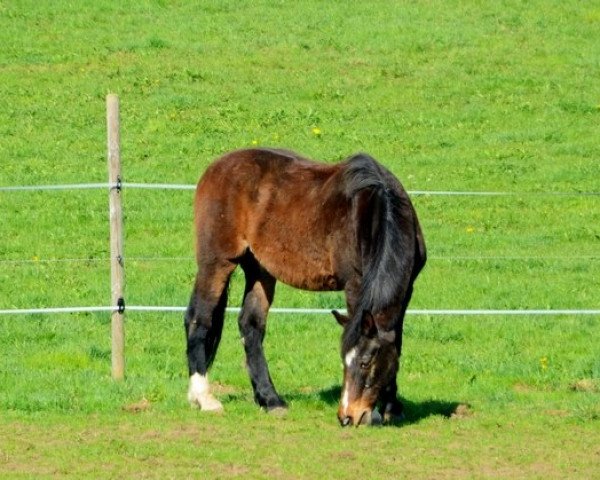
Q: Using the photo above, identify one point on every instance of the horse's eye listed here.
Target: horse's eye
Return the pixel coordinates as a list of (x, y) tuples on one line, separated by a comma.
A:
[(367, 358)]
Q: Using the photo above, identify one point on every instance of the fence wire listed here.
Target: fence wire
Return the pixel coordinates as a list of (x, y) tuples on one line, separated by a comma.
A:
[(306, 311), (175, 186), (442, 258)]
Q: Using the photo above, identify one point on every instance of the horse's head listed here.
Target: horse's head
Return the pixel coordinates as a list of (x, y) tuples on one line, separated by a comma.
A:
[(370, 359)]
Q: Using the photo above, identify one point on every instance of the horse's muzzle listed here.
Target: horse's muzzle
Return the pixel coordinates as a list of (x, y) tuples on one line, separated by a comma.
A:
[(367, 417)]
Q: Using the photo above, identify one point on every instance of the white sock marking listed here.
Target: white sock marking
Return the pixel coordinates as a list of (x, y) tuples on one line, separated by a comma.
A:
[(199, 384), (199, 393)]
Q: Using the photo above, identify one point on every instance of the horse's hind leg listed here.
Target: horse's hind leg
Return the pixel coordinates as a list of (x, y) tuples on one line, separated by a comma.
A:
[(203, 326), (258, 295)]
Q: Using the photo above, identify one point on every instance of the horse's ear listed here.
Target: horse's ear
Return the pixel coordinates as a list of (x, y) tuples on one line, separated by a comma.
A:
[(341, 318), (369, 328)]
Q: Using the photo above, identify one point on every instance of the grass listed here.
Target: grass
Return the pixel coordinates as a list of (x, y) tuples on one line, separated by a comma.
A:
[(449, 95), (495, 401)]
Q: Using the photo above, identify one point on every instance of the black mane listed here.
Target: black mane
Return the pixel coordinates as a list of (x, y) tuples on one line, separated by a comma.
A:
[(386, 237)]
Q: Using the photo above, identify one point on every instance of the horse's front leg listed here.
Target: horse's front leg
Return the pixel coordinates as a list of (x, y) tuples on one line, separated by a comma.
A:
[(392, 409)]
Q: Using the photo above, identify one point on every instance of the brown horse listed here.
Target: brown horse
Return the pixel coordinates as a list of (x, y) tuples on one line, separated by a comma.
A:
[(348, 226)]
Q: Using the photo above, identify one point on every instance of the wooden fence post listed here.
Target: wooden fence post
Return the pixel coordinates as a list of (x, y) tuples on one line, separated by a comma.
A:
[(117, 263)]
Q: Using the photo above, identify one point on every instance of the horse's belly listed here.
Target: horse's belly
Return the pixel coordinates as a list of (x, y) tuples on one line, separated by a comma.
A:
[(317, 283), (298, 268)]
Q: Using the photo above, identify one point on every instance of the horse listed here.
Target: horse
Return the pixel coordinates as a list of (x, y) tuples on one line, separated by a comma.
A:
[(344, 226)]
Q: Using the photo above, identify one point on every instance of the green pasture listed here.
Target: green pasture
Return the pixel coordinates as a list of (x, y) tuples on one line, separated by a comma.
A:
[(451, 96)]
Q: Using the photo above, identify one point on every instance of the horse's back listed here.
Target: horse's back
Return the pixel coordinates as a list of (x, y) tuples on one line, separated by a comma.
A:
[(252, 177)]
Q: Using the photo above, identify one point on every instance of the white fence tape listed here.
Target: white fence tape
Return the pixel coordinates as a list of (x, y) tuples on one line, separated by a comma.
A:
[(191, 260), (158, 186), (174, 186), (72, 186), (310, 311)]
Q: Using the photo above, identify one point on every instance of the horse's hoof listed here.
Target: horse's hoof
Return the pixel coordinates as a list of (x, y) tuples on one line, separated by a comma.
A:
[(393, 418), (208, 403), (193, 400), (205, 402), (217, 409), (278, 411), (376, 419)]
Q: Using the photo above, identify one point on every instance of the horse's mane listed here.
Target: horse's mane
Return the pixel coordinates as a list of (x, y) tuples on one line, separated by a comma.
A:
[(385, 233)]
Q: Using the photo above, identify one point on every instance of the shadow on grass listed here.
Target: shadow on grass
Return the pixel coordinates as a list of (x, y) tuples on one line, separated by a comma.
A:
[(414, 412)]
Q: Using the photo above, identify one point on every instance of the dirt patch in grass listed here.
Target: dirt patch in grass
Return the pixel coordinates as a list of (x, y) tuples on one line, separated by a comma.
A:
[(235, 470), (223, 389), (142, 406), (461, 412), (585, 385), (520, 387), (557, 413), (345, 455)]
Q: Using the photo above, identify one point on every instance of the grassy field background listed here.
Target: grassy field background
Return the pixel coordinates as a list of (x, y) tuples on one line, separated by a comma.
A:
[(463, 96)]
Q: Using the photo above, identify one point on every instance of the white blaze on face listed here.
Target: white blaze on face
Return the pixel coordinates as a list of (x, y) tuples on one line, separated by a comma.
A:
[(350, 356), (348, 360), (345, 399)]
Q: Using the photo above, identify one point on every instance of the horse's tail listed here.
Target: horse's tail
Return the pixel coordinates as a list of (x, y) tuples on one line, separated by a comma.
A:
[(385, 228)]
